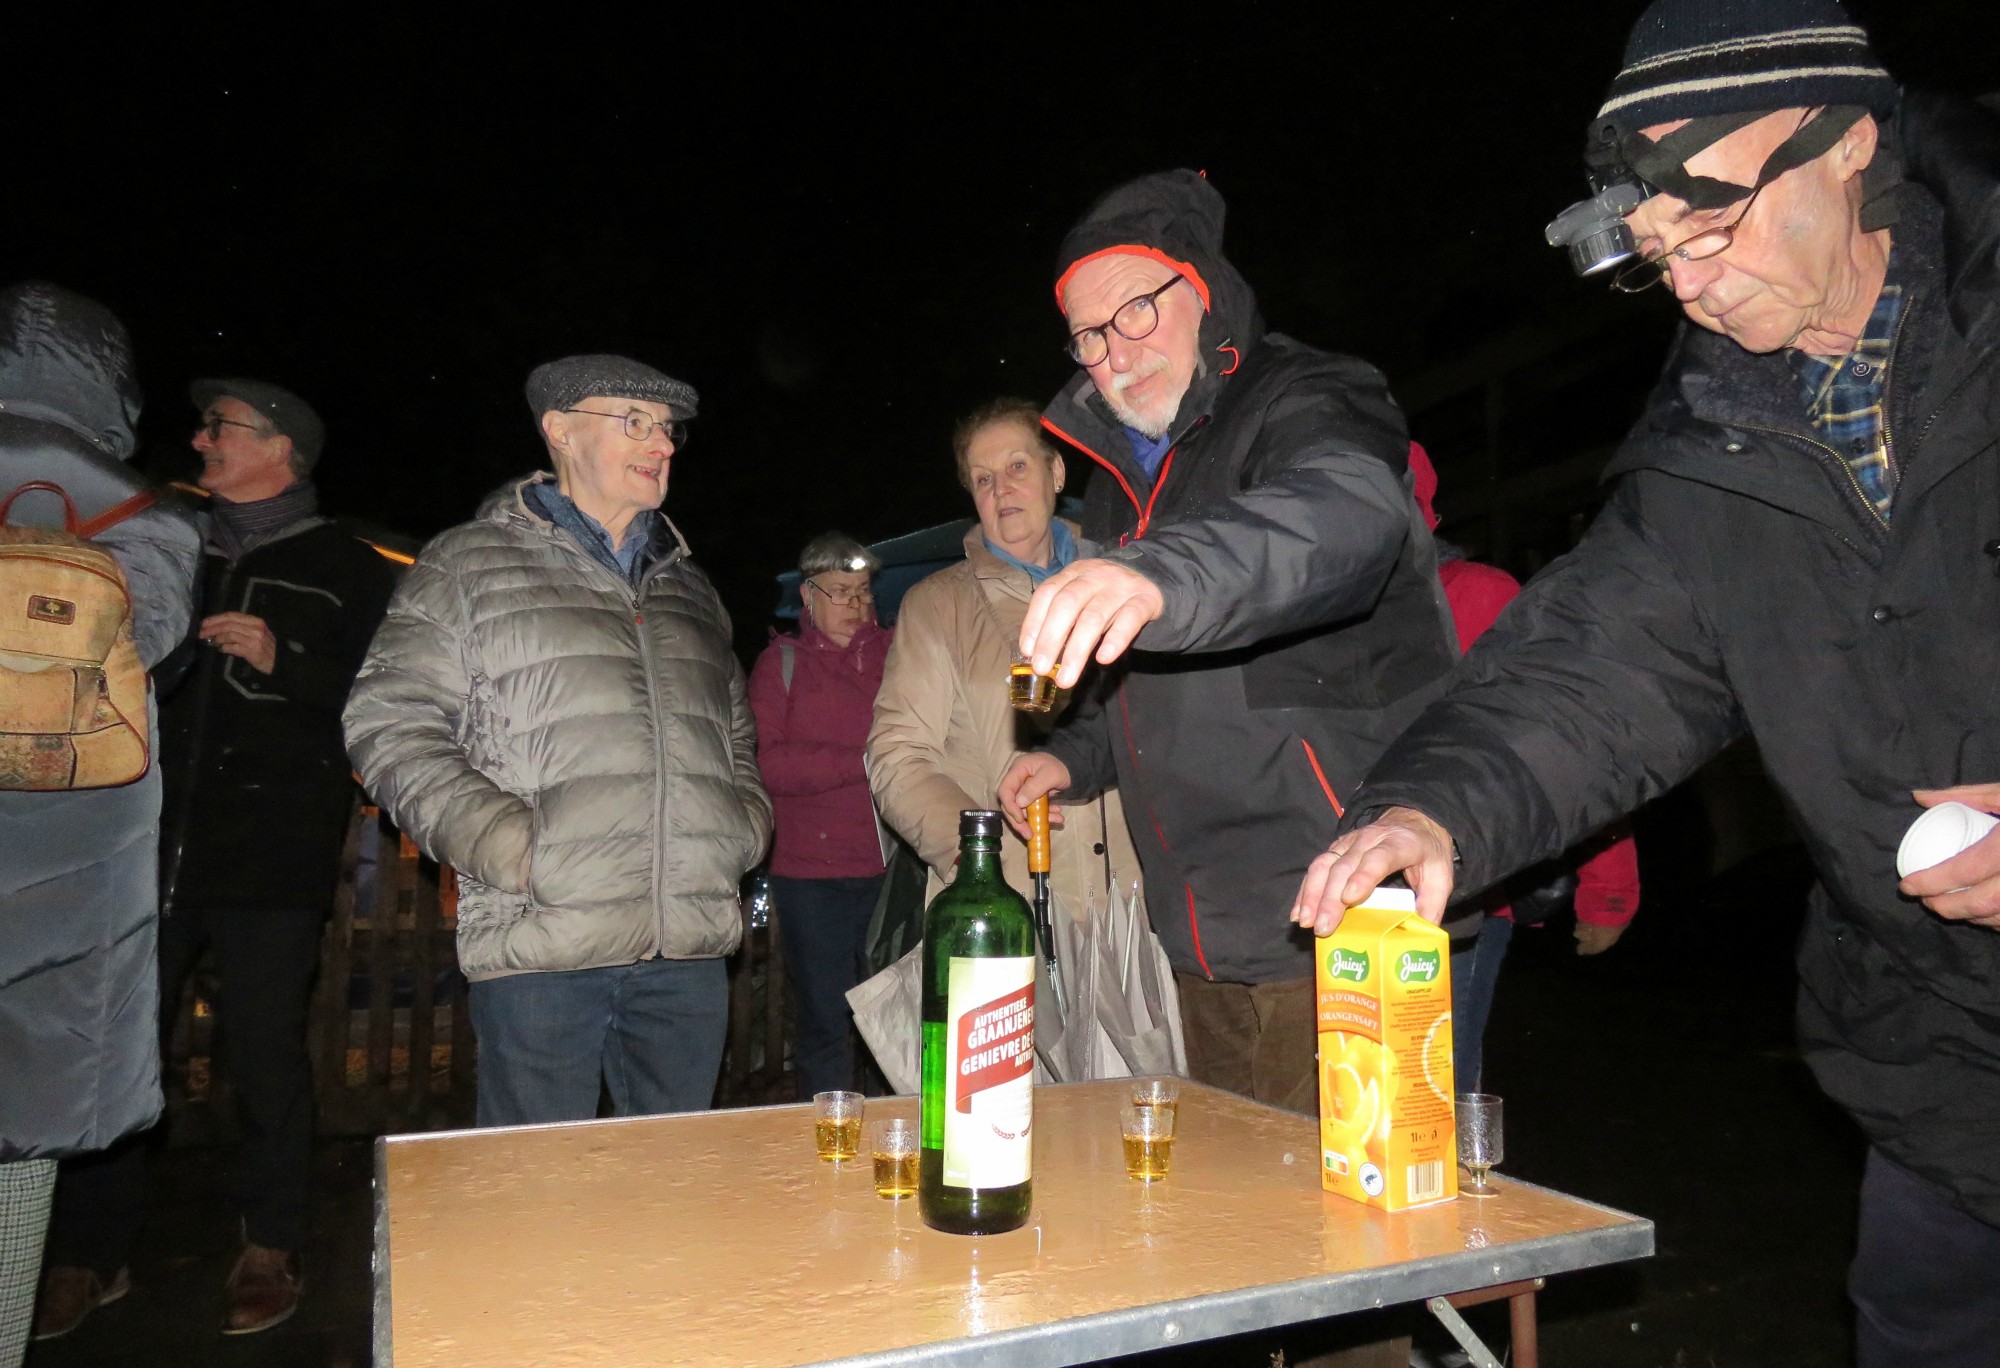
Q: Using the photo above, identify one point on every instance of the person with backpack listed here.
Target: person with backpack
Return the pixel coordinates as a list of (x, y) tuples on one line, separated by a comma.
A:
[(814, 695), (258, 801), (78, 913)]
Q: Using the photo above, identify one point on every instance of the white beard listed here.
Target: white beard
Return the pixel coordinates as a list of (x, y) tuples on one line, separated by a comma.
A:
[(1153, 425)]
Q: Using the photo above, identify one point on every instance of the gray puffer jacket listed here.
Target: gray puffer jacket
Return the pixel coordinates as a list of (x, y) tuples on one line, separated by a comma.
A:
[(582, 752)]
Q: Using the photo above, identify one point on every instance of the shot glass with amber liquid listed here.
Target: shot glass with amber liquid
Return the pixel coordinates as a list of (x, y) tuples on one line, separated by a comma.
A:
[(1148, 1135), (1029, 692), (837, 1124)]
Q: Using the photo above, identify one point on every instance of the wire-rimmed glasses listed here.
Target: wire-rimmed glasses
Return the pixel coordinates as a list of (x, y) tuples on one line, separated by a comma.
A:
[(1650, 271), (845, 597), (639, 425), (1134, 321)]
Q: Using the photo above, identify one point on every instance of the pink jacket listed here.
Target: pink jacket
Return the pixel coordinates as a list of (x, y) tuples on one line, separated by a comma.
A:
[(1607, 877), (809, 743)]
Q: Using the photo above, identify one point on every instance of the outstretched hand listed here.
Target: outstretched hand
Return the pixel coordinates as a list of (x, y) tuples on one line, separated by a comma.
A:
[(1400, 841), (1088, 607), (1967, 886)]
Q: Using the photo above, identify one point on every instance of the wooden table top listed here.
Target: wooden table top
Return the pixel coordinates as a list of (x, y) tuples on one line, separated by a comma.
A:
[(721, 1238)]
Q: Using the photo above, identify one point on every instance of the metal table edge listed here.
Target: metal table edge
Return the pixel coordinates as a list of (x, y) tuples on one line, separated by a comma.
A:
[(384, 1329), (1272, 1306)]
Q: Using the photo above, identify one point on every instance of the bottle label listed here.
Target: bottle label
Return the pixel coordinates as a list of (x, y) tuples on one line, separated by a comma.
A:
[(989, 1067)]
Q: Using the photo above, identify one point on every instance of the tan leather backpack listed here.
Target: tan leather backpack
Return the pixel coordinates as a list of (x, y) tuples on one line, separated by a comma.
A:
[(72, 686)]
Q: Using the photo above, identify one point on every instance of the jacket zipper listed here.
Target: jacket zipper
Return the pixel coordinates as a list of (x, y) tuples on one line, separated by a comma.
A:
[(1845, 469), (1145, 510)]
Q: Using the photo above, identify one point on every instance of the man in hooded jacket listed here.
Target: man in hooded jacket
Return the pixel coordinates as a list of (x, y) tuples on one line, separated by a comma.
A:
[(1277, 589), (1802, 543), (79, 1056)]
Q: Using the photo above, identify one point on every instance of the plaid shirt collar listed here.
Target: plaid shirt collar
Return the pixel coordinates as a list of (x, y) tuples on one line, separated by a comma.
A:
[(1843, 397)]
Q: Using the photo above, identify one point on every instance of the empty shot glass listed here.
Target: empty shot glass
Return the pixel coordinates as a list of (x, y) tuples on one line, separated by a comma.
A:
[(894, 1146), (1481, 1140), (1148, 1134), (837, 1124), (1157, 1092)]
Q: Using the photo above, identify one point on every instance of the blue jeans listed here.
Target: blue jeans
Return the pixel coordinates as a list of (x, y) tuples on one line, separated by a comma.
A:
[(1475, 972), (823, 925), (653, 1032), (1923, 1278)]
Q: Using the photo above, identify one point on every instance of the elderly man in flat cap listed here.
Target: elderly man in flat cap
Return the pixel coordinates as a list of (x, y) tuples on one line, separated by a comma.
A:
[(553, 708), (258, 799)]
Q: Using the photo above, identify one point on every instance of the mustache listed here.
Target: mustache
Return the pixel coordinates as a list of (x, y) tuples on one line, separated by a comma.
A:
[(1151, 366)]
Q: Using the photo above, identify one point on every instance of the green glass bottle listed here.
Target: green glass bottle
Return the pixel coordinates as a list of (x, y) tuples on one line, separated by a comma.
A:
[(978, 1101)]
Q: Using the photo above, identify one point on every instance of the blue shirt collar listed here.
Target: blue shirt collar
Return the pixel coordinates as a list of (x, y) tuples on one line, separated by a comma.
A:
[(1062, 550), (628, 560), (1149, 451)]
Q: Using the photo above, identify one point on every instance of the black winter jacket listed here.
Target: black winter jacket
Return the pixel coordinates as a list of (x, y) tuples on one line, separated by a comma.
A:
[(1304, 625), (1738, 580), (259, 789)]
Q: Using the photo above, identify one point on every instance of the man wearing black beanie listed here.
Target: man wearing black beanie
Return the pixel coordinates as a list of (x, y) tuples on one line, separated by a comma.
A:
[(1802, 543)]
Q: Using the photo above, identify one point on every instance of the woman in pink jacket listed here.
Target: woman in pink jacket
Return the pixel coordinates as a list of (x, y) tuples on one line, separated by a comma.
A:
[(814, 696)]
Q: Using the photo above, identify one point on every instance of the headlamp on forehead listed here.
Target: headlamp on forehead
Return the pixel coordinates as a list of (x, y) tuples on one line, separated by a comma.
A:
[(1626, 168)]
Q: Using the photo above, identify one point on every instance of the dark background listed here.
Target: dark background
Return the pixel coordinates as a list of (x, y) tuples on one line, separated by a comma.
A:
[(842, 233)]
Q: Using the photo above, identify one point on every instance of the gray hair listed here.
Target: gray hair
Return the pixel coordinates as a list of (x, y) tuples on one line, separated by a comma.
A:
[(831, 551)]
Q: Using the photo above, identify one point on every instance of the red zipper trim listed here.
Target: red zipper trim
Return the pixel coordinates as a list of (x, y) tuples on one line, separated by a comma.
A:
[(1194, 921), (1194, 929), (1145, 510), (1320, 775)]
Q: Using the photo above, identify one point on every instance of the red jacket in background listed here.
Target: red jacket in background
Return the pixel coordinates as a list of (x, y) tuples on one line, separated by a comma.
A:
[(809, 744), (1607, 880)]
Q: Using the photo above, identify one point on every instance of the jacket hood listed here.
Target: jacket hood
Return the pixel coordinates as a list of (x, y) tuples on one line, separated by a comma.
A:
[(1176, 218), (67, 360), (1426, 477)]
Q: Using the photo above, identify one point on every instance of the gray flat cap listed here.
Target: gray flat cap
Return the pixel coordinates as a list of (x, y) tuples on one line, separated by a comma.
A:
[(281, 408), (557, 385)]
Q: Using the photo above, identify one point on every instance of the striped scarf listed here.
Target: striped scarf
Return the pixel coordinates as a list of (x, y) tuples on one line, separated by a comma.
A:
[(236, 529)]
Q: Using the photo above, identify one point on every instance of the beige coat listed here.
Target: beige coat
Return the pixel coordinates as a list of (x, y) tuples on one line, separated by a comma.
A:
[(944, 735)]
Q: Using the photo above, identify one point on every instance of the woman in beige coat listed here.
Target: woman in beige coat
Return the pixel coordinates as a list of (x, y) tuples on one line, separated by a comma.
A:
[(943, 732)]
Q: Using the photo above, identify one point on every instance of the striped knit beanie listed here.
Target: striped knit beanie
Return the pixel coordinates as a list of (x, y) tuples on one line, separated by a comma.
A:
[(1691, 58)]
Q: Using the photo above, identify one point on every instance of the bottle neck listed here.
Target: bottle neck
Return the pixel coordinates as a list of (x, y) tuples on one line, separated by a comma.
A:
[(978, 862)]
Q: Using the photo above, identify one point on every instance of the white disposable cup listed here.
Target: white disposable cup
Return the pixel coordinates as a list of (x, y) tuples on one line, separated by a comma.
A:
[(1940, 833)]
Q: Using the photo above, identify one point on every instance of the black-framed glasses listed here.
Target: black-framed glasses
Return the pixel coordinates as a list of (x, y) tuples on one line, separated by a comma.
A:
[(1709, 242), (845, 597), (214, 425), (639, 425), (1134, 321)]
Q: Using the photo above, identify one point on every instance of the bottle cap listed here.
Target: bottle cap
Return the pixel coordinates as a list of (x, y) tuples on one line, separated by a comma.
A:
[(1940, 833), (979, 824)]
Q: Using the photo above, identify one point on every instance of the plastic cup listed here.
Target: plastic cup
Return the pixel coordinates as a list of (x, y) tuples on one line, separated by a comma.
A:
[(894, 1147), (1940, 833), (1157, 1092), (837, 1124), (1148, 1136)]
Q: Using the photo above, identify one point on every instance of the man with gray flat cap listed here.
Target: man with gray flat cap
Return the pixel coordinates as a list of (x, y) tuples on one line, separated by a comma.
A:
[(258, 799), (553, 708), (1801, 543)]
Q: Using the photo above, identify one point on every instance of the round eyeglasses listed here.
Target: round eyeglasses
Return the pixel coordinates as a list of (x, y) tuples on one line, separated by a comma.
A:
[(1135, 321), (639, 425), (844, 597)]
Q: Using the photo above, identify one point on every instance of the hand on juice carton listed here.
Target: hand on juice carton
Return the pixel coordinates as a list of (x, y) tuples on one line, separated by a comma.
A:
[(1385, 1077)]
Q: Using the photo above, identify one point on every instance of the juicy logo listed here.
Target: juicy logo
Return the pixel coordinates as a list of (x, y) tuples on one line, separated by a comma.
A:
[(1347, 964), (1418, 966)]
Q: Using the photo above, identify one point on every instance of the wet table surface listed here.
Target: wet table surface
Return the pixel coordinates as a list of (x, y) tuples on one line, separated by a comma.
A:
[(720, 1238)]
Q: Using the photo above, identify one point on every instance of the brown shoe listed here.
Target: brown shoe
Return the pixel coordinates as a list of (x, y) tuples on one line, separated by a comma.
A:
[(69, 1294), (263, 1289)]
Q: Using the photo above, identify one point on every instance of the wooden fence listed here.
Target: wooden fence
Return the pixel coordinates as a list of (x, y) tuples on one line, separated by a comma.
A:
[(389, 1035)]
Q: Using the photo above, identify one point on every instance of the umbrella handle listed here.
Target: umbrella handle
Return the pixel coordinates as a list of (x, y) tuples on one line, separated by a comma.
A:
[(1038, 835)]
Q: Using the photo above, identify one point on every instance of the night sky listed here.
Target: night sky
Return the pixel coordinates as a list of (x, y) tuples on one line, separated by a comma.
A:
[(841, 232)]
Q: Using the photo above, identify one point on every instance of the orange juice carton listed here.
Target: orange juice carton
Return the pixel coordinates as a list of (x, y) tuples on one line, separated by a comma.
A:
[(1385, 1085)]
